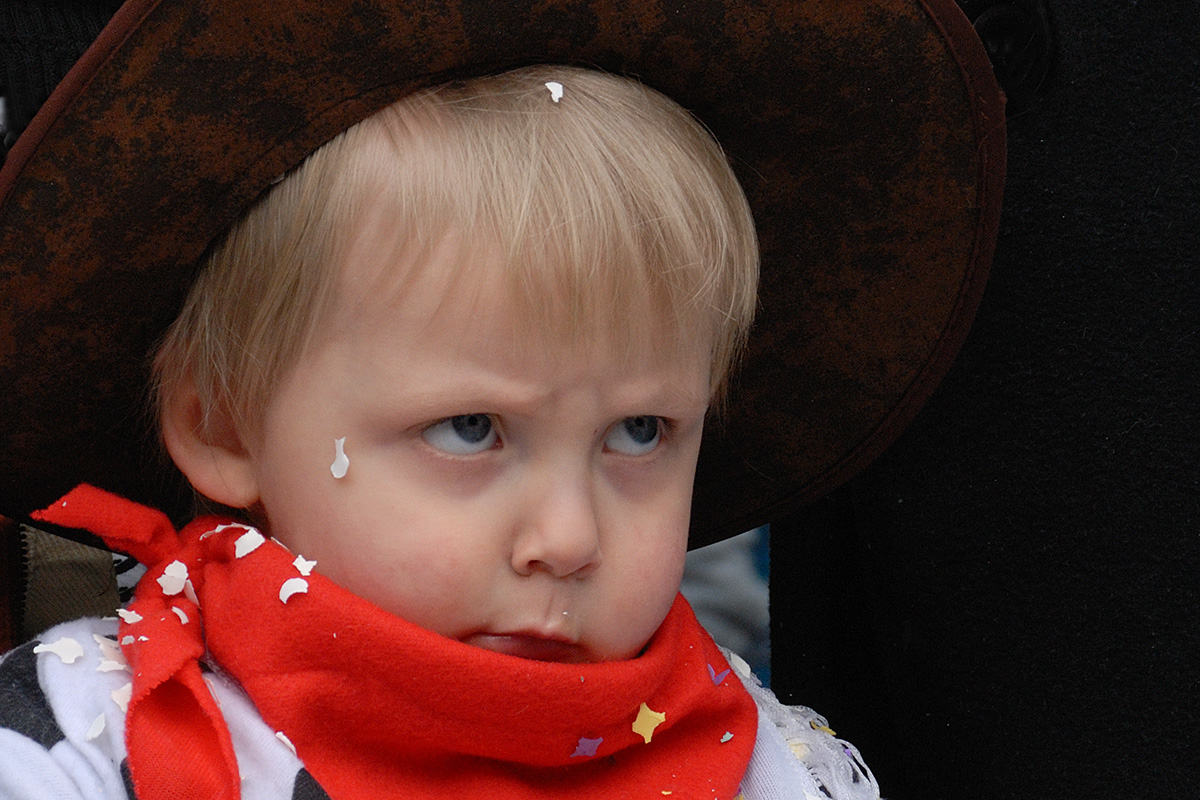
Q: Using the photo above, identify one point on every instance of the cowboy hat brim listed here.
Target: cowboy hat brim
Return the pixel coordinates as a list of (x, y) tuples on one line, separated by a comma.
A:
[(869, 138)]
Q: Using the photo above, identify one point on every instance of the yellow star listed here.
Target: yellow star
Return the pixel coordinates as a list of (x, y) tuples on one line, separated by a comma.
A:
[(647, 720)]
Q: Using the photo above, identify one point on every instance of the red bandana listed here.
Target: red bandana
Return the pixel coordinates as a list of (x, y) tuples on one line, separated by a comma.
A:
[(378, 707)]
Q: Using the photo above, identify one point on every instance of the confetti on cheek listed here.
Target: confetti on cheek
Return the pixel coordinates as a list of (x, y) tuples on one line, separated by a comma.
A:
[(173, 578), (340, 462), (66, 648), (304, 566), (292, 586), (247, 543), (556, 90)]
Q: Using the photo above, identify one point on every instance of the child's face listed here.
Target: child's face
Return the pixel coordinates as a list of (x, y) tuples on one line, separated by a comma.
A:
[(528, 498)]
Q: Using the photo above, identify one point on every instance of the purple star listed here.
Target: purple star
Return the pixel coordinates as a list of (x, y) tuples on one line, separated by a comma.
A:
[(587, 747), (717, 677)]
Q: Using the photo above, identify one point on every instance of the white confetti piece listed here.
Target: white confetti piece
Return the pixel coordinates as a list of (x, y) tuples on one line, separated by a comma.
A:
[(109, 652), (740, 665), (292, 586), (340, 462), (173, 578), (108, 665), (556, 90), (143, 638), (726, 737), (127, 640), (121, 697), (281, 736), (304, 566), (96, 729), (189, 591), (179, 612), (129, 617), (247, 543), (66, 648)]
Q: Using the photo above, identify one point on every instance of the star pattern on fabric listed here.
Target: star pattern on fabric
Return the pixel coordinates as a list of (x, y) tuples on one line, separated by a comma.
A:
[(586, 747), (647, 720)]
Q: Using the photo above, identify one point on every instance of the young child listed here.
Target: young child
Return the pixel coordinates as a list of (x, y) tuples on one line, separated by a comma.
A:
[(453, 371), (453, 328)]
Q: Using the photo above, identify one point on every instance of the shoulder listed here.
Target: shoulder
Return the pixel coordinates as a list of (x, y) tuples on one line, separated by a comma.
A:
[(62, 719), (797, 754)]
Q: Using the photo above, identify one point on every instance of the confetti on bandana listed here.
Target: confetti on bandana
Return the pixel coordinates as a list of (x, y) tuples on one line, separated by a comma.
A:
[(304, 566), (66, 648), (173, 578), (717, 677), (129, 617), (647, 720), (292, 586), (556, 90), (96, 729), (247, 543), (340, 463), (586, 747)]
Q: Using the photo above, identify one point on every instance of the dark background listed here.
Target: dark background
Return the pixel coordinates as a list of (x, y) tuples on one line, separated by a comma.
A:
[(1007, 603)]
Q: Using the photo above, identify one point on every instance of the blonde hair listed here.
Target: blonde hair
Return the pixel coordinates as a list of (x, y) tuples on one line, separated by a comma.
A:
[(601, 202)]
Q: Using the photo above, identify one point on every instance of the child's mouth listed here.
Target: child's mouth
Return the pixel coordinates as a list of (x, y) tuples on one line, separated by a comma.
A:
[(528, 645)]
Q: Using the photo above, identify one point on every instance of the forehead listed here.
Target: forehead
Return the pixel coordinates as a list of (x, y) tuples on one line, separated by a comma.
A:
[(415, 286)]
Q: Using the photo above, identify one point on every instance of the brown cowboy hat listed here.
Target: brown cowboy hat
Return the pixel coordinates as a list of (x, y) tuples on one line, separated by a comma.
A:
[(868, 135)]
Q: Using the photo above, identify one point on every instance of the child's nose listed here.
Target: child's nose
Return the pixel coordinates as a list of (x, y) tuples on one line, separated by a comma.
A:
[(560, 532)]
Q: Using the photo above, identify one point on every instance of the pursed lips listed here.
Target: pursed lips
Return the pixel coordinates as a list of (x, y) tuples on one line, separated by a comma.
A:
[(531, 645)]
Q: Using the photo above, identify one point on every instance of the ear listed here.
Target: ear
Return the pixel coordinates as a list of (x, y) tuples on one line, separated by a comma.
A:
[(212, 456)]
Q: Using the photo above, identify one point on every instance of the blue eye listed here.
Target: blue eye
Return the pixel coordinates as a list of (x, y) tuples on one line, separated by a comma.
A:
[(464, 435), (634, 436)]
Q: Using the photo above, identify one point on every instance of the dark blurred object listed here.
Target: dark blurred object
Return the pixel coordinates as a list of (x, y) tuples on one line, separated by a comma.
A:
[(1010, 600), (1020, 43)]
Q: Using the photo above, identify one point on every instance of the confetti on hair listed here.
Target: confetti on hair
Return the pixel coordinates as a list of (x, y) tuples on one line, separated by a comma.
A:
[(340, 462), (647, 720), (247, 543), (66, 648), (129, 617), (304, 566), (179, 612), (556, 90), (173, 578), (96, 729), (292, 586), (121, 697)]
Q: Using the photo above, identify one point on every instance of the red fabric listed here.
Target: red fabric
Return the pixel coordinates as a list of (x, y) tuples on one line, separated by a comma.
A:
[(378, 707)]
